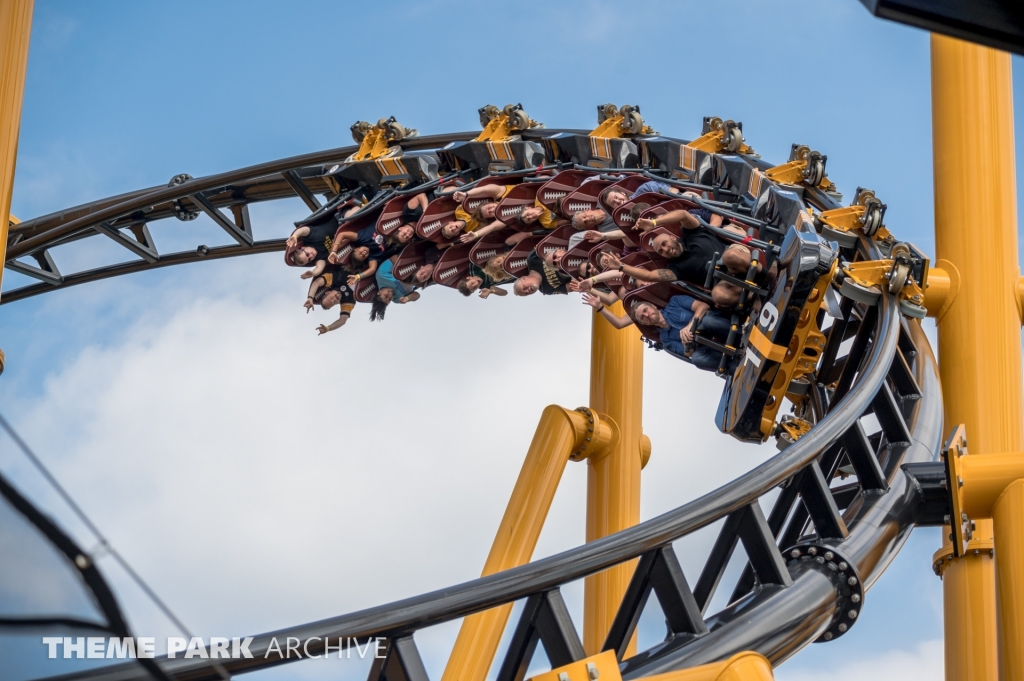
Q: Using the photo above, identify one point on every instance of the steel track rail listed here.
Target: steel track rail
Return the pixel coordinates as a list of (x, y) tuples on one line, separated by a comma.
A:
[(776, 620), (135, 266)]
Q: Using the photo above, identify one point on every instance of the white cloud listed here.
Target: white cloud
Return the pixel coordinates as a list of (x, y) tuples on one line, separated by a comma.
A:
[(923, 662)]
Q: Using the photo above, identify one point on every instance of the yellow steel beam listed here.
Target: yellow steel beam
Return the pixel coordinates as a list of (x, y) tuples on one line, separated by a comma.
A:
[(15, 28), (943, 285), (559, 435), (745, 666), (1008, 518), (979, 330), (984, 478), (613, 478)]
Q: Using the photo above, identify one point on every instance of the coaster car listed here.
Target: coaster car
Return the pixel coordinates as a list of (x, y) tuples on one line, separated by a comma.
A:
[(665, 154), (398, 167), (779, 207), (580, 253), (623, 214), (645, 239), (514, 153), (596, 152), (469, 205), (628, 183), (586, 197), (365, 290), (411, 259), (560, 186), (658, 294), (291, 249), (644, 261), (354, 223), (708, 333), (489, 246), (391, 215), (515, 261), (453, 265), (556, 240), (594, 252), (437, 214), (344, 200), (774, 341), (731, 174), (519, 197)]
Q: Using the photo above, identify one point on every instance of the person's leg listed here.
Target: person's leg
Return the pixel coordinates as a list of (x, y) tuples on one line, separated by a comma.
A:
[(736, 259), (705, 359), (714, 325)]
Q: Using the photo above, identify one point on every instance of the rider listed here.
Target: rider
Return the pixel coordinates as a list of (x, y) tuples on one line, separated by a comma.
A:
[(327, 290), (544, 275), (676, 325)]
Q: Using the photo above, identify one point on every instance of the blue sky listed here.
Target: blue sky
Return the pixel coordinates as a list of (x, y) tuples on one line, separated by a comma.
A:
[(126, 95)]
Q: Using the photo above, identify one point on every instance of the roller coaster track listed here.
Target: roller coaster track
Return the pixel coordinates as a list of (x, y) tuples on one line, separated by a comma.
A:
[(809, 561)]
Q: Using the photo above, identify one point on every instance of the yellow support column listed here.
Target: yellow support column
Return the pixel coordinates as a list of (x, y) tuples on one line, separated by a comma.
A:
[(979, 331), (1008, 516), (559, 435), (613, 479), (15, 27), (745, 666)]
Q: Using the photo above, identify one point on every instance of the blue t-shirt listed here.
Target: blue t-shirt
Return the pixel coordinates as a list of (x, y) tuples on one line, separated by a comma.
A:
[(650, 187), (369, 237), (386, 279), (678, 313)]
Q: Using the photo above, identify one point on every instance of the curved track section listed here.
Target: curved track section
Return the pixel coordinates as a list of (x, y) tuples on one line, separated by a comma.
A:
[(875, 407)]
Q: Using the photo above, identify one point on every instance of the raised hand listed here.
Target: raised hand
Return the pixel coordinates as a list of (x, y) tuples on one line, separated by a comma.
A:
[(580, 285), (593, 236), (322, 329)]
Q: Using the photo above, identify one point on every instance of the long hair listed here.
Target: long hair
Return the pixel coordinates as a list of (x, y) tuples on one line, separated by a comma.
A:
[(493, 269), (377, 309), (478, 212)]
